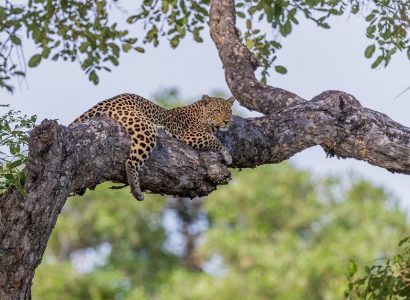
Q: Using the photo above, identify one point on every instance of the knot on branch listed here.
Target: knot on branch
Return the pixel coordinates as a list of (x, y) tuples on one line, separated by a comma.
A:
[(348, 113), (47, 152), (246, 53), (344, 107), (42, 136), (218, 176)]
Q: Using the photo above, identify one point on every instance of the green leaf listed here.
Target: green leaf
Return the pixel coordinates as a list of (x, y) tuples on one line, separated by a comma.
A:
[(368, 53), (351, 268), (83, 47), (93, 77), (174, 41), (34, 61), (139, 49), (126, 47), (197, 37), (133, 19), (17, 10), (15, 163), (370, 31), (36, 34), (370, 17), (165, 6), (377, 62), (181, 30), (292, 16), (248, 24), (281, 69), (240, 14), (115, 49), (355, 9), (250, 44), (45, 53), (16, 40), (285, 29), (114, 60)]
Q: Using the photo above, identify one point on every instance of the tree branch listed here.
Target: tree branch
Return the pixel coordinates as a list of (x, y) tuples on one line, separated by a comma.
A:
[(356, 132), (239, 64), (334, 120)]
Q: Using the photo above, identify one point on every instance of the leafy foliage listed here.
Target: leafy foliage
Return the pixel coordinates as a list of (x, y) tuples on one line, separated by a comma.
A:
[(273, 233), (173, 19), (386, 279), (14, 129), (10, 24), (389, 24), (87, 32), (69, 30)]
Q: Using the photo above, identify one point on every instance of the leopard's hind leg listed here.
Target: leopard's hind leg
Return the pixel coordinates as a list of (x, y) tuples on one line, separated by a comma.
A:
[(203, 140), (143, 135)]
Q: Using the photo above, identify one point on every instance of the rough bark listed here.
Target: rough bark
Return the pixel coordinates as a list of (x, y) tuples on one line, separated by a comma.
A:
[(239, 64), (64, 161)]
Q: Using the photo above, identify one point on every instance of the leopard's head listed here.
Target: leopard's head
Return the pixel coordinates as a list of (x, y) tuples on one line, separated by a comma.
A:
[(217, 111)]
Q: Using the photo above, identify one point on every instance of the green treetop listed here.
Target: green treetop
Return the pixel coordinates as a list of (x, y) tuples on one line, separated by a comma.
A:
[(88, 32), (273, 233)]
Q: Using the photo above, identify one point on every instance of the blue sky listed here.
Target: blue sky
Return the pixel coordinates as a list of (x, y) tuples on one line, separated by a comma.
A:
[(317, 60)]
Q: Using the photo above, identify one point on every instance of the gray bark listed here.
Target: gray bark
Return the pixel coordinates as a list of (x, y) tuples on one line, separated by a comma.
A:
[(64, 161)]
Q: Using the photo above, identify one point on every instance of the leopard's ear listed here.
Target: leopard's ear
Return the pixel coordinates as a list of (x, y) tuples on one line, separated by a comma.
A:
[(231, 100), (206, 99)]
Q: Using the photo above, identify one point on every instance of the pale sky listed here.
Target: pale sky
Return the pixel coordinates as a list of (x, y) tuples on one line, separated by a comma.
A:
[(317, 60)]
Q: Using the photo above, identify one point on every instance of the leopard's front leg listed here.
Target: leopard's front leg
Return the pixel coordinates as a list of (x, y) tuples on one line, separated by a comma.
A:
[(215, 144), (202, 140)]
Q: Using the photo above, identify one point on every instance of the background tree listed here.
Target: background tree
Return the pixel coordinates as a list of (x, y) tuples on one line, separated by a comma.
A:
[(387, 278), (293, 241), (59, 161)]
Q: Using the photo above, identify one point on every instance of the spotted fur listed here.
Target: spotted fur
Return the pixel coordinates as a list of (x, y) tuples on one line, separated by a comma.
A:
[(193, 124)]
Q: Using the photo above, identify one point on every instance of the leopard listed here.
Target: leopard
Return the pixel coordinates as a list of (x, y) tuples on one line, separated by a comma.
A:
[(194, 125)]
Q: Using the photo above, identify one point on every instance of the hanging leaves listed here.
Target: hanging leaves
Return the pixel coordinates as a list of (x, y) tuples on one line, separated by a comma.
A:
[(84, 32), (14, 129)]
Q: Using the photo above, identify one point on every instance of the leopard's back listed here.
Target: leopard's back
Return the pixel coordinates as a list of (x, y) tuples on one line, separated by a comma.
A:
[(124, 105)]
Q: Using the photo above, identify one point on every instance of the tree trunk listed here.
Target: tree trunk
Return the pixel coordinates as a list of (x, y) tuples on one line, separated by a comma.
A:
[(64, 161)]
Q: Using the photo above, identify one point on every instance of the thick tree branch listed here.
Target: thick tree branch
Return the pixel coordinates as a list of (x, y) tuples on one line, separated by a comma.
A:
[(240, 64), (358, 133), (334, 120)]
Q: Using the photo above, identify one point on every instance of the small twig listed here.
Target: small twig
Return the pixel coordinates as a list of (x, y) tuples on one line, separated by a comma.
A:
[(406, 90), (118, 187)]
